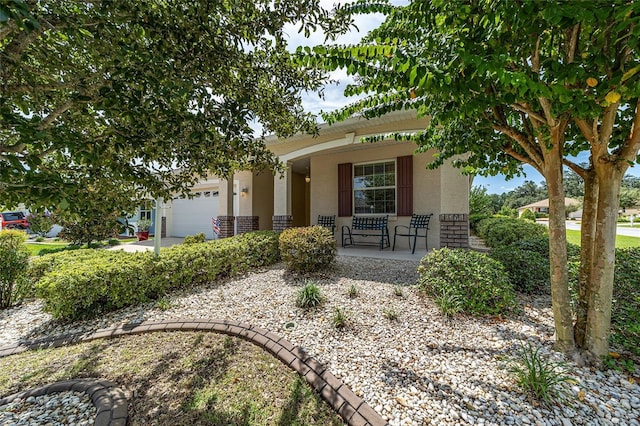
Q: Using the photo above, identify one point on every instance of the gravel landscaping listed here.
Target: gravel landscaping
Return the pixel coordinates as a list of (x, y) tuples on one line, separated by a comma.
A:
[(421, 368)]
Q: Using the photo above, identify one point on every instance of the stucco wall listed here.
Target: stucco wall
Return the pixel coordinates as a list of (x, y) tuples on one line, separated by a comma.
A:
[(262, 196), (426, 186)]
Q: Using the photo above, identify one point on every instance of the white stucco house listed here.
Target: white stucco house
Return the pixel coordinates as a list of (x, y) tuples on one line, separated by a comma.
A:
[(333, 173)]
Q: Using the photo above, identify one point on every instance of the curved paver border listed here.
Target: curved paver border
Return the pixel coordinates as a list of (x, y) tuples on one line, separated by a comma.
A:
[(110, 402), (351, 407)]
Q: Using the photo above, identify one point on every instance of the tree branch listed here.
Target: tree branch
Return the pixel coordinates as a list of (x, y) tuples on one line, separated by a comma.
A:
[(523, 141), (586, 129), (572, 48), (61, 109), (576, 168), (632, 144), (528, 111)]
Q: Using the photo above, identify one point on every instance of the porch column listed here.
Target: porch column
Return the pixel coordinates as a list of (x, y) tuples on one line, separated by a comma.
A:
[(282, 218), (225, 209), (454, 207)]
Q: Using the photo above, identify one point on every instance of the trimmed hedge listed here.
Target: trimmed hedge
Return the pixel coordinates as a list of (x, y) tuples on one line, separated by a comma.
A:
[(472, 281), (14, 263), (502, 231), (307, 249), (83, 283), (625, 317), (527, 263)]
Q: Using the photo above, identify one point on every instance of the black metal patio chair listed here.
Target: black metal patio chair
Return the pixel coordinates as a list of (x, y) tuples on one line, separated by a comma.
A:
[(418, 222)]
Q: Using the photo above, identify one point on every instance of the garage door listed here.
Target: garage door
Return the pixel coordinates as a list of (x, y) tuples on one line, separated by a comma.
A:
[(192, 216)]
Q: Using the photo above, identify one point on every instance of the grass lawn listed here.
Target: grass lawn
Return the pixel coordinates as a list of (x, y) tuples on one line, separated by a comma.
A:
[(34, 248), (622, 241), (180, 378)]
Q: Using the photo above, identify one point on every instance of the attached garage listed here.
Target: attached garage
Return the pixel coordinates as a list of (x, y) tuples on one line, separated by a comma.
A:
[(193, 215), (190, 216)]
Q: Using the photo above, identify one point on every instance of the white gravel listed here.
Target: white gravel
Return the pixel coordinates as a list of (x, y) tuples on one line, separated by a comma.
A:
[(60, 408), (420, 369)]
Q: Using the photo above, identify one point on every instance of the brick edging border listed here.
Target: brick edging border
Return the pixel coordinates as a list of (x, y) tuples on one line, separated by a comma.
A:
[(110, 402), (339, 396)]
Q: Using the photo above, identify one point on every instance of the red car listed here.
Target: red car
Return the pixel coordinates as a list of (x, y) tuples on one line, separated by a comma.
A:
[(13, 220)]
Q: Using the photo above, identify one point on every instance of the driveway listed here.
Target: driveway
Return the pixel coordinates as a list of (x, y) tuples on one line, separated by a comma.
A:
[(621, 230)]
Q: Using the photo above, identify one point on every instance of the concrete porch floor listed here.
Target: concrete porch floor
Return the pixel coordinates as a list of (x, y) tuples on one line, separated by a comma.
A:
[(356, 251)]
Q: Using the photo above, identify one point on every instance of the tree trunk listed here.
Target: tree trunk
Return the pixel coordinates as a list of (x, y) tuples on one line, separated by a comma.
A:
[(560, 297), (587, 238), (600, 291)]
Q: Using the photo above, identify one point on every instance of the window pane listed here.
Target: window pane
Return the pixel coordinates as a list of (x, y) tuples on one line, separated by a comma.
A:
[(374, 188)]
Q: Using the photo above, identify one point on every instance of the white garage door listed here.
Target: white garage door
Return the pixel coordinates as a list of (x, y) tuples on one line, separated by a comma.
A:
[(192, 216)]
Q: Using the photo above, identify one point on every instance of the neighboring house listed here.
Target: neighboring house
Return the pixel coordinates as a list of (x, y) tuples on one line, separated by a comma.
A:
[(333, 174), (542, 206)]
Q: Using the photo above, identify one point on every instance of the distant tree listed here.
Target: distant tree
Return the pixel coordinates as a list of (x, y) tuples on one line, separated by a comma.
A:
[(527, 193), (631, 182), (573, 184), (41, 223), (629, 197), (480, 202), (528, 215)]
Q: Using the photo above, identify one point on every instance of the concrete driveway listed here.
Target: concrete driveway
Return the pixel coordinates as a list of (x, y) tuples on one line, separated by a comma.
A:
[(147, 245)]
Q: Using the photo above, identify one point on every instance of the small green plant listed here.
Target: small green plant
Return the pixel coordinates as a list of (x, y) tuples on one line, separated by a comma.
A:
[(448, 302), (391, 314), (163, 304), (539, 377), (352, 292), (195, 239), (143, 225), (398, 291), (113, 242), (309, 296), (340, 318), (39, 239), (613, 361)]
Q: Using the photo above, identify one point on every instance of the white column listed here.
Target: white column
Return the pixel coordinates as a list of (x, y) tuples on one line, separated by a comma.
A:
[(282, 193)]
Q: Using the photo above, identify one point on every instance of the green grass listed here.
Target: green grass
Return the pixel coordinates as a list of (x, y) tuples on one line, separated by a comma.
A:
[(181, 379), (622, 241), (34, 248)]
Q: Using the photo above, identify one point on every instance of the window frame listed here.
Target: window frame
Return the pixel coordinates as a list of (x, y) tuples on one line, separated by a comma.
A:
[(394, 186)]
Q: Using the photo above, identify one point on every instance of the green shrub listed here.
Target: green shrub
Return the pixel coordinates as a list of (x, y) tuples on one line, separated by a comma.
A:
[(83, 283), (507, 212), (39, 239), (477, 281), (527, 263), (537, 376), (391, 314), (307, 249), (14, 263), (475, 219), (625, 320), (528, 215), (93, 226), (502, 231), (101, 282), (113, 242), (352, 291), (195, 239), (309, 296)]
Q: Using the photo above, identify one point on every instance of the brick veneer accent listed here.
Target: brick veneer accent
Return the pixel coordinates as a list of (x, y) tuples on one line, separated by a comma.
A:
[(110, 402), (339, 396), (454, 230), (163, 227), (248, 223), (280, 223), (226, 226)]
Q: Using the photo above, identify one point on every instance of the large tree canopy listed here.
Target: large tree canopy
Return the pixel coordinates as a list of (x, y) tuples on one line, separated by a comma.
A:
[(144, 95), (510, 82)]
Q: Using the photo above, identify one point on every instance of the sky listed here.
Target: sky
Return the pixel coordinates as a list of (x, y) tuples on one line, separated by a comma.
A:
[(334, 98)]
